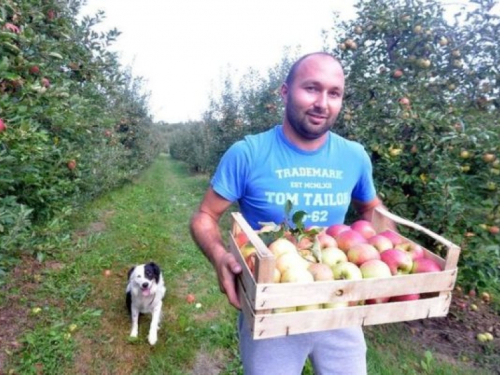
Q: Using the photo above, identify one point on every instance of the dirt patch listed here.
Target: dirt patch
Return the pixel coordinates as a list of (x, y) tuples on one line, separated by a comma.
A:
[(454, 337), (208, 363), (14, 314)]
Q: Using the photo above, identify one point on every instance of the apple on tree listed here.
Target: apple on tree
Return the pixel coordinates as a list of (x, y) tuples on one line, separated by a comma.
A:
[(3, 127)]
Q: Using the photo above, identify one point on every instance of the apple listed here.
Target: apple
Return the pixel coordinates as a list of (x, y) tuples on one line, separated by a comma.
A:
[(481, 337), (332, 256), (346, 271), (3, 127), (422, 265), (241, 239), (190, 298), (277, 275), (45, 82), (282, 246), (380, 242), (326, 240), (335, 305), (392, 236), (321, 271), (34, 69), (364, 227), (406, 297), (414, 250), (280, 310), (443, 41), (107, 273), (247, 249), (399, 261), (374, 269), (398, 73), (296, 275), (373, 301), (404, 101), (335, 229), (488, 158), (289, 260), (494, 229), (71, 164), (361, 253), (250, 260), (349, 238), (417, 29), (309, 307), (304, 243)]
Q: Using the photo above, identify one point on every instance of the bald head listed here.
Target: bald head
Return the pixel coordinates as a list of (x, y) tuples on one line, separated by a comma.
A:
[(296, 65)]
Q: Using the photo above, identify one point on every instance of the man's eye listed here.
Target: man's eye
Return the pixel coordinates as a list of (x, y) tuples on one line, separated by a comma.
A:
[(311, 88)]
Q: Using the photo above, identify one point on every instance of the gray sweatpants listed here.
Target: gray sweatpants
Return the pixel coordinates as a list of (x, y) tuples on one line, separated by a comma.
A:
[(340, 351)]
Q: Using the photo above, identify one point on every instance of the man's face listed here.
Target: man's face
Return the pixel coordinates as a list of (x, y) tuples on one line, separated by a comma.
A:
[(314, 99)]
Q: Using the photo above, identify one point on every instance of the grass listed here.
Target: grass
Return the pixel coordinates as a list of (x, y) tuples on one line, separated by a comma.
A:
[(76, 318)]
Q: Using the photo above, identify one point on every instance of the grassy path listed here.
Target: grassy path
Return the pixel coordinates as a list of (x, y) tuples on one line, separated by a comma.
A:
[(77, 322)]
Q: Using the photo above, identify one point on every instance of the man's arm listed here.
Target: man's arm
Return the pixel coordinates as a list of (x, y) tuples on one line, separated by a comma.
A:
[(365, 210), (206, 233)]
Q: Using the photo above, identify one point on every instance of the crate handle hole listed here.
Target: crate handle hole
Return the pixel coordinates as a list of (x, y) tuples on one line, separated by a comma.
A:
[(339, 293)]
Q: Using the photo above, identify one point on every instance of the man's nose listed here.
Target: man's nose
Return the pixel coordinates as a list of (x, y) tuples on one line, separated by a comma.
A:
[(321, 100)]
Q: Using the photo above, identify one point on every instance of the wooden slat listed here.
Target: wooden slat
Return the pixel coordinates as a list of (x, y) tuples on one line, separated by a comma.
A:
[(275, 325), (246, 277), (287, 294)]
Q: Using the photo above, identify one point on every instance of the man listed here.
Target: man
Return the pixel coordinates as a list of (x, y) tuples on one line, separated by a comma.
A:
[(322, 174)]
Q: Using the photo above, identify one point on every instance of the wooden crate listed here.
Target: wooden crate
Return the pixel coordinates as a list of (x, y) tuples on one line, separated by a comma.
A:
[(259, 295)]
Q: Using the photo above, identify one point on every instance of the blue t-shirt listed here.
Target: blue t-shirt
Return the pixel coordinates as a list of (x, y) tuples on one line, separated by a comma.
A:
[(265, 170)]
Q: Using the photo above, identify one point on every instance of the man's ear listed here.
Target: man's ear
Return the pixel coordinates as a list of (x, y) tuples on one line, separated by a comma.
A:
[(284, 92)]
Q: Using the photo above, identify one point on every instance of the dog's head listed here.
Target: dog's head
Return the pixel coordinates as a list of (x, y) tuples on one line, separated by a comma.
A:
[(145, 277)]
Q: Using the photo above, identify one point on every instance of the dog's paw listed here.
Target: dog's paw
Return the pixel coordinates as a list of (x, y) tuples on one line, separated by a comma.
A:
[(152, 338)]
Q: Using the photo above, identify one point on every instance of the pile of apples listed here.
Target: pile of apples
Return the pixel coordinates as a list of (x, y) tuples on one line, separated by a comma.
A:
[(342, 252)]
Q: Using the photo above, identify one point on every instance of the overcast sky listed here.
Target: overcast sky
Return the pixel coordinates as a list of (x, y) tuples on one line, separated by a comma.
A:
[(183, 47)]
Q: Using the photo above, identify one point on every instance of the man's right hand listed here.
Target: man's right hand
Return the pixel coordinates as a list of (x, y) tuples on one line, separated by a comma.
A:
[(227, 267)]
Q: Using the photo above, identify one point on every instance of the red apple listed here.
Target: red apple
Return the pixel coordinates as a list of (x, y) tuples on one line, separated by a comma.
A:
[(374, 269), (250, 260), (404, 101), (406, 297), (422, 265), (364, 227), (3, 127), (71, 164), (332, 255), (373, 301), (380, 242), (107, 273), (346, 271), (361, 253), (392, 236), (349, 238), (399, 262), (241, 239), (398, 73), (335, 229), (34, 69), (414, 250), (190, 298)]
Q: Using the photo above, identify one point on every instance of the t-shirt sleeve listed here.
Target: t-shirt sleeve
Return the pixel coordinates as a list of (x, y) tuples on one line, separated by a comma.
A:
[(229, 179), (364, 191)]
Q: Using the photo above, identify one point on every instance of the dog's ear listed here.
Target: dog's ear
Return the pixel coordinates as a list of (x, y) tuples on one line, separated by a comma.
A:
[(130, 272), (156, 271)]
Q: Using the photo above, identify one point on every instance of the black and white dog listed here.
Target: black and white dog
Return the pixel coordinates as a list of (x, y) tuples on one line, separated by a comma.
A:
[(145, 292)]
